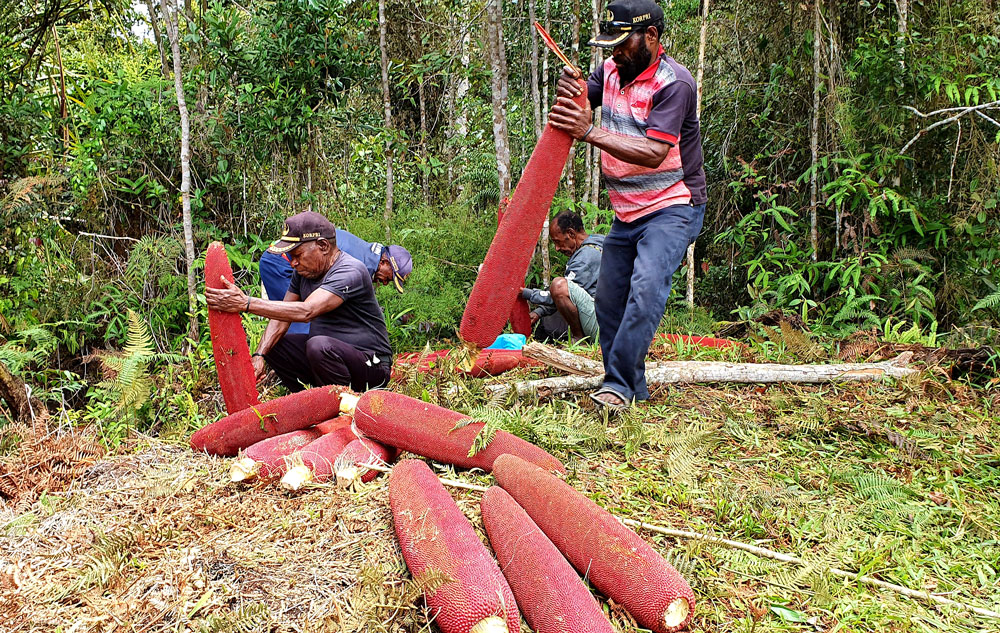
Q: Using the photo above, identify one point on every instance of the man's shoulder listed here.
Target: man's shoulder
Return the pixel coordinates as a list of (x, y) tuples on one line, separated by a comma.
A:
[(671, 72)]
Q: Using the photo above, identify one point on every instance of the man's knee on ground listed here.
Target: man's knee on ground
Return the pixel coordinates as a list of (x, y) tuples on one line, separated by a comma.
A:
[(559, 288)]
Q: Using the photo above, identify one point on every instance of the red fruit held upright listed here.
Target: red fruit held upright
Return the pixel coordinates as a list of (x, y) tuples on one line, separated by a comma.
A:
[(551, 596), (229, 339), (615, 559), (506, 264), (436, 538), (435, 432)]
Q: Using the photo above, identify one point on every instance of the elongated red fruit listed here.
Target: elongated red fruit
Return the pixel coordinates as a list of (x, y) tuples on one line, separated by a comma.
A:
[(614, 558), (520, 317), (229, 339), (701, 341), (315, 461), (336, 423), (351, 464), (437, 540), (520, 314), (506, 264), (435, 432), (266, 458), (549, 593), (288, 413), (489, 362)]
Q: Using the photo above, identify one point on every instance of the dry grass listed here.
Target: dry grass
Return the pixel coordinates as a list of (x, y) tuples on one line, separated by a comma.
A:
[(159, 540)]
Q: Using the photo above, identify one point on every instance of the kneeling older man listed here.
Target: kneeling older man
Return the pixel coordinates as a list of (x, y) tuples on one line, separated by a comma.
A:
[(347, 343)]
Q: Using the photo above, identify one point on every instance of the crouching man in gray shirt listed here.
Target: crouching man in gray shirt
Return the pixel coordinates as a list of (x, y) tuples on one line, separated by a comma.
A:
[(572, 296), (347, 343)]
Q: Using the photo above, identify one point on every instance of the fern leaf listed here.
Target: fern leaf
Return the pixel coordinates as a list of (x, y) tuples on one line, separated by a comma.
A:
[(989, 302)]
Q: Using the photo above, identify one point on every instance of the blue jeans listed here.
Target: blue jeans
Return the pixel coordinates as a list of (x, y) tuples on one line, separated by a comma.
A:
[(276, 274), (636, 268)]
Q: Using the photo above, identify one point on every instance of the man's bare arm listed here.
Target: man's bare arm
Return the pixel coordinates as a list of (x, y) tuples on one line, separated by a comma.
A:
[(570, 117)]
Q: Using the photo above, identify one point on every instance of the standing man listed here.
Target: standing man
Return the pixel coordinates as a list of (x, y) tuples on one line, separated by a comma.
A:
[(347, 343), (652, 162), (385, 264), (572, 296)]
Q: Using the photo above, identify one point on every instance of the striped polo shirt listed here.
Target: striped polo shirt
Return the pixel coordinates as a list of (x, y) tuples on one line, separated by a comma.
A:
[(661, 104)]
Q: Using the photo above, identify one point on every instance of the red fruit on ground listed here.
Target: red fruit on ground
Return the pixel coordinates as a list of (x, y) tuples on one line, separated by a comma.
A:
[(438, 433), (438, 541), (614, 558), (548, 590), (295, 411)]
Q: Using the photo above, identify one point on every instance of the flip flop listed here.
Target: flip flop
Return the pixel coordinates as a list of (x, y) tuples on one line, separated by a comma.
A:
[(610, 406)]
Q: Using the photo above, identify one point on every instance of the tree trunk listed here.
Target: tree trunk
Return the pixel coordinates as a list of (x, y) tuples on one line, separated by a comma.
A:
[(535, 97), (903, 7), (425, 179), (498, 79), (545, 63), (574, 56), (164, 66), (175, 50), (562, 360), (387, 108), (461, 123), (62, 90), (814, 133), (702, 43), (689, 372)]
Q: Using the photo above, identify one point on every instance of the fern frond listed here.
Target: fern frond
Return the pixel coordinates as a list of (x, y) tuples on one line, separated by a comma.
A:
[(989, 302), (139, 342), (251, 618)]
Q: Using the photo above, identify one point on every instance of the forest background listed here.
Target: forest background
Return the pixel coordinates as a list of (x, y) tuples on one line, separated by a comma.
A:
[(851, 149)]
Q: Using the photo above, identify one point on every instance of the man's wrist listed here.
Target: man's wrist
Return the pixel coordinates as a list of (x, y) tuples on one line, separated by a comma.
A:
[(587, 133), (247, 309), (256, 354)]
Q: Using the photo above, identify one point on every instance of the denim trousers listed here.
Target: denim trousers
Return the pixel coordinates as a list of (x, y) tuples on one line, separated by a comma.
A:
[(639, 260)]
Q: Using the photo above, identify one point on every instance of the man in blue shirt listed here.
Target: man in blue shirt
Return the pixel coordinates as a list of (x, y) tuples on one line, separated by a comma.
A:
[(384, 263)]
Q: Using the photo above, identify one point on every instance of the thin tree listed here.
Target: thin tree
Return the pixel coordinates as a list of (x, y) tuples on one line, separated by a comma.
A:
[(175, 50), (164, 66), (387, 107), (814, 132), (545, 60), (574, 57), (498, 79), (596, 60), (700, 75), (535, 96)]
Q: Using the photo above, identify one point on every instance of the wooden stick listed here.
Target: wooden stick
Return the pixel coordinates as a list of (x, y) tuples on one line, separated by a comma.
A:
[(787, 558), (759, 551), (563, 360), (686, 372)]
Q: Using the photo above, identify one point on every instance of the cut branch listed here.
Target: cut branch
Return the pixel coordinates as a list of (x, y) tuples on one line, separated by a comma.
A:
[(687, 372), (960, 112), (562, 360)]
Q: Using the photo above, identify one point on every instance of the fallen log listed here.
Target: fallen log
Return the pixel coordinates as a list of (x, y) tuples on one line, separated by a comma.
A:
[(561, 359), (688, 372)]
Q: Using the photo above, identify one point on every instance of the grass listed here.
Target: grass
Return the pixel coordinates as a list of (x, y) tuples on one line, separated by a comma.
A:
[(896, 481)]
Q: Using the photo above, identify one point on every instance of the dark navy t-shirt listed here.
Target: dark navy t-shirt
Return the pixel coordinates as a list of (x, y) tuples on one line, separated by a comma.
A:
[(359, 320)]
